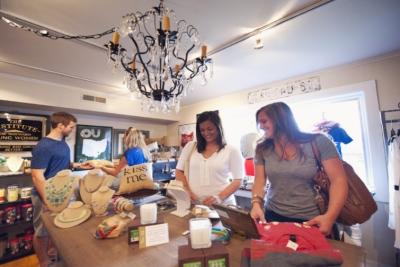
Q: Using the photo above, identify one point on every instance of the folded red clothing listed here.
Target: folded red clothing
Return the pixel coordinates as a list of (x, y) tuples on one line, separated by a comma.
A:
[(291, 244)]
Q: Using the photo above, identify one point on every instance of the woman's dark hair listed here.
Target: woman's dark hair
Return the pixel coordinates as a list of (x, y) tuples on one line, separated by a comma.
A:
[(214, 118), (284, 124)]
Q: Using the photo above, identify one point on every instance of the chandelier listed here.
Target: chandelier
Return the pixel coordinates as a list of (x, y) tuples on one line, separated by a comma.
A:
[(156, 50)]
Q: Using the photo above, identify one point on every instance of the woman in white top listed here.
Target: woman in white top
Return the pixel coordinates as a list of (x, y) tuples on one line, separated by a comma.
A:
[(214, 169)]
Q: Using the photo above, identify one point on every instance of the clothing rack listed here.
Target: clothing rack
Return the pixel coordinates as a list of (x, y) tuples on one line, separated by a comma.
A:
[(386, 121)]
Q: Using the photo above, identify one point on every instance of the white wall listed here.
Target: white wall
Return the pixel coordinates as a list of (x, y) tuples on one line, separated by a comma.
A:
[(25, 90)]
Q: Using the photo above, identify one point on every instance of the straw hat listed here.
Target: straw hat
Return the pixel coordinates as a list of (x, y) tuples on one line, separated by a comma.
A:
[(75, 214), (91, 182)]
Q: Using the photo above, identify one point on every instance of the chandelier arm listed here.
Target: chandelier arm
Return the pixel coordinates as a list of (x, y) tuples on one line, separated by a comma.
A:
[(186, 57), (139, 54), (178, 57), (143, 91), (142, 18)]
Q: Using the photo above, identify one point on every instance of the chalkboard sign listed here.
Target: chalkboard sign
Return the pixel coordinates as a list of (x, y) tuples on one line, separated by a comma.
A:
[(20, 132), (93, 142)]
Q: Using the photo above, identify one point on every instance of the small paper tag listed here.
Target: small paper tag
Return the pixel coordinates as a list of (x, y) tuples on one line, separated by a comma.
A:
[(292, 245), (131, 215), (153, 235), (123, 214)]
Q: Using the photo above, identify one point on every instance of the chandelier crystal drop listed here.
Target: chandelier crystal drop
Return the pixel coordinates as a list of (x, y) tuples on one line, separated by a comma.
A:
[(157, 53)]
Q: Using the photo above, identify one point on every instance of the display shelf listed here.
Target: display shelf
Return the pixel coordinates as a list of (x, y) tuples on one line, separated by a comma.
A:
[(22, 180), (19, 201), (7, 174), (19, 255), (18, 223)]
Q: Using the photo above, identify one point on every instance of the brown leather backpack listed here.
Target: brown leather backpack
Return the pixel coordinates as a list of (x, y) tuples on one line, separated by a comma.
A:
[(359, 205)]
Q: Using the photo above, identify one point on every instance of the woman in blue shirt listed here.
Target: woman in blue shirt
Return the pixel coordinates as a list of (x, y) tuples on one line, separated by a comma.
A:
[(136, 152)]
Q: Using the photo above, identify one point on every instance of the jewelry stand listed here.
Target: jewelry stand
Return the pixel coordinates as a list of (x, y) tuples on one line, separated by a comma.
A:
[(100, 200), (182, 201), (91, 182), (59, 190)]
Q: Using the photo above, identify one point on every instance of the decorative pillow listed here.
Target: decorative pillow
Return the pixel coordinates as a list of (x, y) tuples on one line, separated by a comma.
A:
[(134, 178)]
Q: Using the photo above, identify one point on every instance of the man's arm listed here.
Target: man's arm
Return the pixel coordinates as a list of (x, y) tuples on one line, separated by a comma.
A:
[(38, 180)]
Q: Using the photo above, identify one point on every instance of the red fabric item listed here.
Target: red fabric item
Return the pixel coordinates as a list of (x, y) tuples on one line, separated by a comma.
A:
[(312, 245), (249, 167)]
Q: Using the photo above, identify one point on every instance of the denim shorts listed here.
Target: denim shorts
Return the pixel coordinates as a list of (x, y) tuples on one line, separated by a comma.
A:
[(40, 229)]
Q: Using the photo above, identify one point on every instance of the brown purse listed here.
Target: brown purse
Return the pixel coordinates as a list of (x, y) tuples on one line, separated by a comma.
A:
[(359, 205)]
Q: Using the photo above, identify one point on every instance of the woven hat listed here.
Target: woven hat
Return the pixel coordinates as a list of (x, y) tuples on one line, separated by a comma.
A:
[(92, 182), (75, 214)]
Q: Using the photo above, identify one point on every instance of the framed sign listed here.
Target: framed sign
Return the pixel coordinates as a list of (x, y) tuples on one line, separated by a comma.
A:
[(19, 132), (118, 143), (118, 146), (92, 142)]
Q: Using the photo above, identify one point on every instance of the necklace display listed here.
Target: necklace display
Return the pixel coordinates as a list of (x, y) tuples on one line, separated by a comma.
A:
[(58, 190), (101, 200), (91, 183), (87, 187)]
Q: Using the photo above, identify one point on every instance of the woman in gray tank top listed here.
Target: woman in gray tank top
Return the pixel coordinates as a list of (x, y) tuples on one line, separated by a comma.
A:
[(284, 157)]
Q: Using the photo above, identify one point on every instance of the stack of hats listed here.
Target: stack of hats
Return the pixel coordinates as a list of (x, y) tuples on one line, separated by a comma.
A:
[(75, 214)]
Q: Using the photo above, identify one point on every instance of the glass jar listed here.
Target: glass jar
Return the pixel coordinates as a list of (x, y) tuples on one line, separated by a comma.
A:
[(12, 193)]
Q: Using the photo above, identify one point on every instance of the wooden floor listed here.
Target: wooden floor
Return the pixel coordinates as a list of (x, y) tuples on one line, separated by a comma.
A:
[(29, 261)]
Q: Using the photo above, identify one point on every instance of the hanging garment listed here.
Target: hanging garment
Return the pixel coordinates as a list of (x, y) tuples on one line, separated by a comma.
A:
[(339, 136), (394, 183)]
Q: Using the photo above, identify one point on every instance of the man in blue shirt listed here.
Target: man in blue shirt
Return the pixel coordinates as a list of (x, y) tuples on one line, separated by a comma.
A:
[(49, 156)]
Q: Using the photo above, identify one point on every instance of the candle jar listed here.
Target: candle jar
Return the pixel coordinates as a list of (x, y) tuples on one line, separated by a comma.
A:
[(10, 215), (2, 195), (28, 241), (26, 192), (200, 233), (148, 213), (14, 245), (12, 193), (27, 212)]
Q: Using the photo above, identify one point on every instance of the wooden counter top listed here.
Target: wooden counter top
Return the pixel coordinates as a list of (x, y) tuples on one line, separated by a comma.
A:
[(78, 247)]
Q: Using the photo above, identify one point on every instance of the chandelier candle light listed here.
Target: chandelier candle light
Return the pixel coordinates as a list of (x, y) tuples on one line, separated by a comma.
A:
[(159, 62)]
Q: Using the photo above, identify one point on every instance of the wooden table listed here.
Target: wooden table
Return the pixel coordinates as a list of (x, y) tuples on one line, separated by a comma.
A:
[(78, 247)]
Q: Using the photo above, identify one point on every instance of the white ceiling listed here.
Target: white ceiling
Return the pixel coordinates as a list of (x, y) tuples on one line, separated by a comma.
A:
[(339, 32)]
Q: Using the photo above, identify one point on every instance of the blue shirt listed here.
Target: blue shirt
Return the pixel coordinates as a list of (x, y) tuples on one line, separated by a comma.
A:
[(134, 156), (51, 155)]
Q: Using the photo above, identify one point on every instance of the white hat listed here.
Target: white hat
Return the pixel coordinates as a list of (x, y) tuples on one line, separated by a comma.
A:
[(75, 214)]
